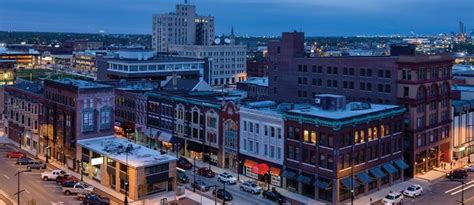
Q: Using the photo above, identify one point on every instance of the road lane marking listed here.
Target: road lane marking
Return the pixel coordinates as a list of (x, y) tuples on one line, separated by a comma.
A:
[(458, 187), (6, 176), (468, 187)]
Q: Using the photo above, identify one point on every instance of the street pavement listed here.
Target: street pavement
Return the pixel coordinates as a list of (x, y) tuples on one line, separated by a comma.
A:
[(239, 197), (42, 192)]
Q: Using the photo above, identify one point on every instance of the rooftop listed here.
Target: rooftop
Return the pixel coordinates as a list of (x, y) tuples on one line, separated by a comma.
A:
[(156, 59), (114, 148), (347, 112), (29, 87), (465, 88), (82, 84), (261, 81)]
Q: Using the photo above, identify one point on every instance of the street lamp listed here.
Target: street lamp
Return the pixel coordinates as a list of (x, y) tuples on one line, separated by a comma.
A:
[(127, 150), (81, 167), (462, 192), (18, 187)]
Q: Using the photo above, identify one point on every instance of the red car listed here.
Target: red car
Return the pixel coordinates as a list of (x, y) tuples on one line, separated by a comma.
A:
[(183, 163), (62, 179), (206, 172), (458, 174), (15, 154)]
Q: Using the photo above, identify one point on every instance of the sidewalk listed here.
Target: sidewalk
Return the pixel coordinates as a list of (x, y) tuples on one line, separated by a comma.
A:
[(439, 172), (284, 192)]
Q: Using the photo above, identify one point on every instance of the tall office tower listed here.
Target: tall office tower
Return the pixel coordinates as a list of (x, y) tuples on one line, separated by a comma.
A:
[(182, 27), (462, 29)]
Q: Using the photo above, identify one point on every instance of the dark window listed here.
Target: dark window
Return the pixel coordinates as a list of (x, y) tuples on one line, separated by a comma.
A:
[(362, 86), (369, 72), (344, 71), (387, 89), (380, 74), (362, 72)]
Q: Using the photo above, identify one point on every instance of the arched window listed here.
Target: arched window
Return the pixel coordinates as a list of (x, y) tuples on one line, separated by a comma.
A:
[(382, 130), (362, 136), (356, 137), (421, 92), (369, 134), (375, 136)]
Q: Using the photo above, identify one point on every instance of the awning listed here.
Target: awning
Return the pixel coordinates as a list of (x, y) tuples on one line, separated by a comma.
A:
[(305, 179), (401, 164), (377, 172), (347, 183), (364, 178), (321, 184), (275, 171), (194, 146), (249, 163), (288, 174), (165, 136), (260, 169), (390, 168)]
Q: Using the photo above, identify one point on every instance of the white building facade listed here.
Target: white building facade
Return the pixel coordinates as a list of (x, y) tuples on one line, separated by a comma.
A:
[(462, 128), (261, 143), (182, 27), (227, 63)]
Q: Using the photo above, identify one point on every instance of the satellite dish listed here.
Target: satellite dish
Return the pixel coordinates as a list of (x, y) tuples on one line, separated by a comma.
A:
[(217, 41), (226, 40)]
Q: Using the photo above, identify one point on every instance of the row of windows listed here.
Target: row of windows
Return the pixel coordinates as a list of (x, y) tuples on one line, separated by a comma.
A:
[(365, 72), (267, 130), (345, 84), (426, 74), (255, 147)]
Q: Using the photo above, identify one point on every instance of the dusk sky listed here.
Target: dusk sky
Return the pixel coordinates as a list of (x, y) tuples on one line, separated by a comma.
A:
[(252, 17)]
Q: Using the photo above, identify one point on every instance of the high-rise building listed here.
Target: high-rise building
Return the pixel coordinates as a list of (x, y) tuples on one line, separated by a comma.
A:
[(421, 83), (462, 29), (182, 27)]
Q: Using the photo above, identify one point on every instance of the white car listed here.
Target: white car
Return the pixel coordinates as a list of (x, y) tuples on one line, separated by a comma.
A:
[(469, 167), (250, 186), (52, 175), (393, 198), (413, 190), (227, 178)]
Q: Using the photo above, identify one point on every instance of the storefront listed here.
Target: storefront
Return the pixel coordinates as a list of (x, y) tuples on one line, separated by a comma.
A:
[(259, 171)]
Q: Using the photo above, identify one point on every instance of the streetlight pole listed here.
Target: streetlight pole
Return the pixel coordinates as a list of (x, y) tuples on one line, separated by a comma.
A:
[(462, 192), (127, 149), (18, 187), (81, 169), (194, 173)]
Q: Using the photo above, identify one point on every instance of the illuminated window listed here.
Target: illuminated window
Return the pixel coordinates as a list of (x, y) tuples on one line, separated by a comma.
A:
[(369, 134), (313, 137), (306, 136)]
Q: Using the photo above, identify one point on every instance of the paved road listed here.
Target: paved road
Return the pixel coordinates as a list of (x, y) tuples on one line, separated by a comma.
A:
[(240, 197), (43, 192)]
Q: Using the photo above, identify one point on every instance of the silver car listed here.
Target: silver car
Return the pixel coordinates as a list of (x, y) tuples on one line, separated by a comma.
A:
[(35, 165), (200, 185), (250, 186)]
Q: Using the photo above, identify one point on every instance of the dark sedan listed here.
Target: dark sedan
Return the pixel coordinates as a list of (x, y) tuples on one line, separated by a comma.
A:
[(274, 196), (183, 163), (222, 195), (23, 161), (93, 199), (206, 172)]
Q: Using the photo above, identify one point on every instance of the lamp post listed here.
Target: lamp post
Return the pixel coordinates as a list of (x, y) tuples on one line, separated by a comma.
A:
[(18, 187), (194, 173), (127, 150), (81, 169), (462, 192)]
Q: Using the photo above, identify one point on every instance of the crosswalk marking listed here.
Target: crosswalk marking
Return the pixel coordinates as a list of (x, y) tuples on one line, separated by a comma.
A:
[(459, 188)]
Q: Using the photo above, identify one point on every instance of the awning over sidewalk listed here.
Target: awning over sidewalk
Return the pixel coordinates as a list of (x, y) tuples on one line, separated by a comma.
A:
[(166, 136), (305, 179), (389, 167), (364, 178), (346, 182), (275, 171), (249, 163), (322, 184), (377, 172), (289, 174), (260, 169), (401, 164)]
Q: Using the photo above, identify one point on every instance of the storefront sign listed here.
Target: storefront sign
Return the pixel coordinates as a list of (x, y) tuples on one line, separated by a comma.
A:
[(97, 161)]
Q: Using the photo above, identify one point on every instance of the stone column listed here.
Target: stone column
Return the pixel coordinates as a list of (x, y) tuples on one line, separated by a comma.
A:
[(335, 191)]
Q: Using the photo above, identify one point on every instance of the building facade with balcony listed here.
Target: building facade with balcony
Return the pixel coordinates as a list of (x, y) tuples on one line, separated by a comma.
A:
[(332, 148)]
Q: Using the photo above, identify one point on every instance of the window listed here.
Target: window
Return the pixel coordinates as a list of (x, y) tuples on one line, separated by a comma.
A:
[(265, 150), (406, 91), (278, 156), (313, 137), (256, 147), (245, 125), (257, 128), (362, 72), (272, 151), (250, 127), (272, 132), (306, 136), (105, 117), (279, 133), (87, 119), (245, 144), (265, 130)]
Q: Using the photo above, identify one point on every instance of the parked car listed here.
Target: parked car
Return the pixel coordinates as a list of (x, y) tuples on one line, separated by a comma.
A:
[(469, 167), (457, 174), (413, 190), (204, 171), (250, 186), (94, 199), (23, 160), (182, 177), (35, 165), (183, 163), (61, 179), (81, 196), (15, 154), (227, 178), (77, 188), (393, 198), (200, 185), (222, 194), (274, 196), (51, 175)]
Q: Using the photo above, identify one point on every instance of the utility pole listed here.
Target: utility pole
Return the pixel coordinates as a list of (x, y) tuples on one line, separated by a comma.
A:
[(18, 187), (194, 173), (462, 192)]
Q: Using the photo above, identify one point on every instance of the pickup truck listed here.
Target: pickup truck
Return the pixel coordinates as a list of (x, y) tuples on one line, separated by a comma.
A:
[(51, 175), (77, 188)]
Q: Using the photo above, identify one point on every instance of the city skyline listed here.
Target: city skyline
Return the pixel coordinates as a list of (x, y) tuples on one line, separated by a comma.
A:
[(316, 18)]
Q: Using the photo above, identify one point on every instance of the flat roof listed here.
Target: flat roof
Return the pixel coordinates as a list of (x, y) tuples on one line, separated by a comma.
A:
[(29, 87), (114, 148), (465, 88), (261, 81), (82, 84), (346, 112), (157, 59)]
